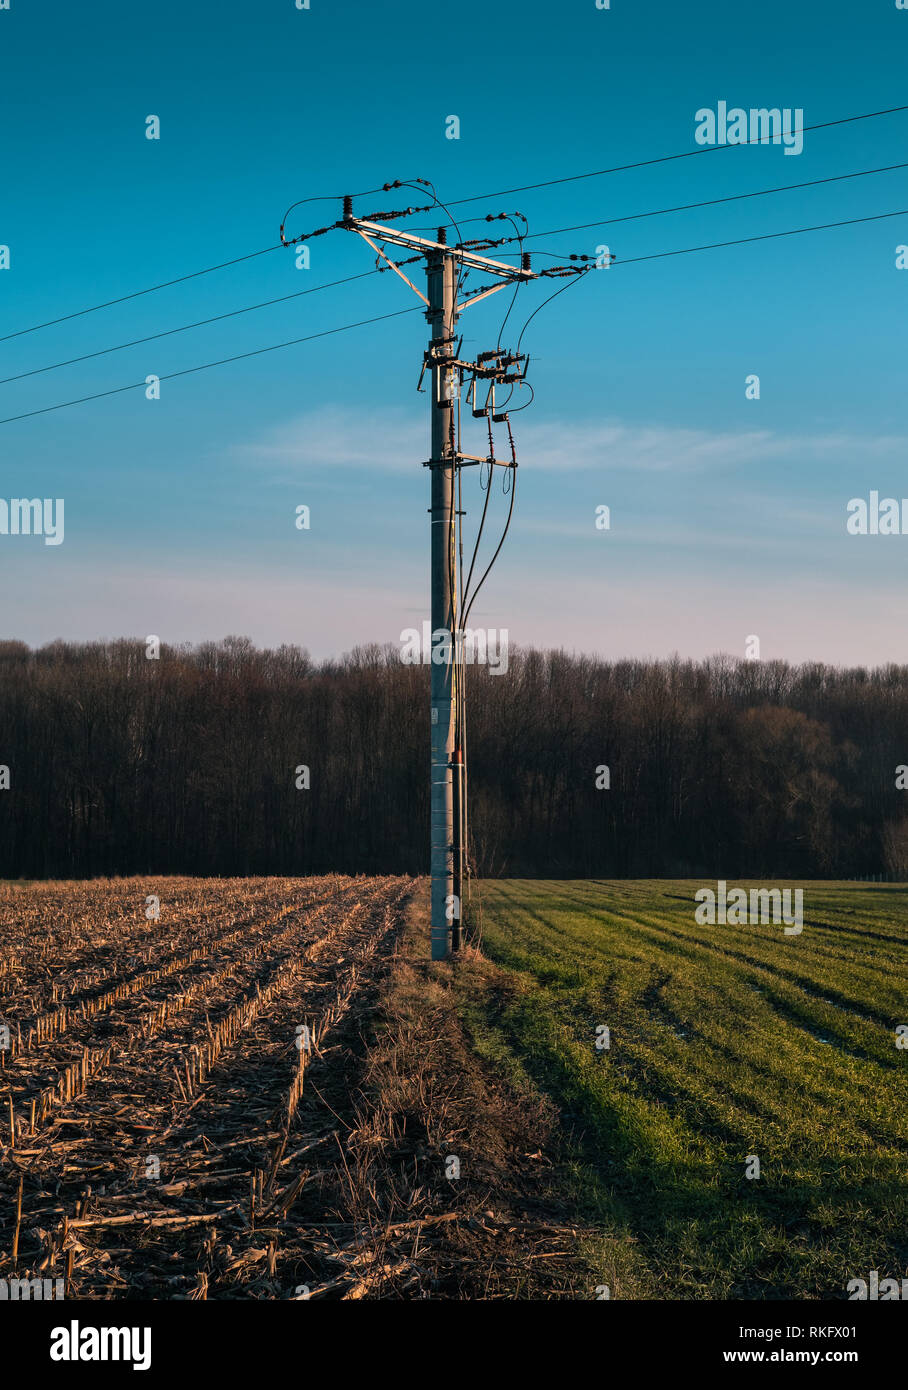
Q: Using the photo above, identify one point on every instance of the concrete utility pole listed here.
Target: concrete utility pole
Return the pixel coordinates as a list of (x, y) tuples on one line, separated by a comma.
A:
[(446, 850), (445, 268)]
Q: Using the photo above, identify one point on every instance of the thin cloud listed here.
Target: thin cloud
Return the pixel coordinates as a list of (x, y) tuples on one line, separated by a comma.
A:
[(391, 441), (385, 441)]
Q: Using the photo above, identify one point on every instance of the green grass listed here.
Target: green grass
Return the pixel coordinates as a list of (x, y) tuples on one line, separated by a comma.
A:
[(726, 1041)]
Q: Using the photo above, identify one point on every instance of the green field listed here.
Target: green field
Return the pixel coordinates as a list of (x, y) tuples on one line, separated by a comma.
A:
[(725, 1041)]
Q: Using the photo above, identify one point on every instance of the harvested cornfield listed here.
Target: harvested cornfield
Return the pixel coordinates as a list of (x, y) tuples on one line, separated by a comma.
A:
[(160, 1041)]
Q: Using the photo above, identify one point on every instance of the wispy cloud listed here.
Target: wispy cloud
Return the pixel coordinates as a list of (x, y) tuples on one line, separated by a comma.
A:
[(616, 445), (388, 441), (391, 440)]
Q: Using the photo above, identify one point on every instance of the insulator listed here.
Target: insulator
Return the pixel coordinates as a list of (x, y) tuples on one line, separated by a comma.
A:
[(348, 206)]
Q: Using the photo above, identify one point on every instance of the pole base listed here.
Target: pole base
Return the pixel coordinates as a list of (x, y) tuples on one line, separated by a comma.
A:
[(441, 943)]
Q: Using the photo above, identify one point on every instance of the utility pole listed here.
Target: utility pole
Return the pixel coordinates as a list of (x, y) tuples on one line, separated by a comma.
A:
[(446, 851), (446, 268)]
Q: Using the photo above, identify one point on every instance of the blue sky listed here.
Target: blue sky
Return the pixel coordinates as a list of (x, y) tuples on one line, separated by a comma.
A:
[(727, 515)]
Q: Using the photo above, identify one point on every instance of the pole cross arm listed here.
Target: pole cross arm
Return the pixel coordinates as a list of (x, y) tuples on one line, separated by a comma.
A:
[(417, 243), (470, 460), (379, 251)]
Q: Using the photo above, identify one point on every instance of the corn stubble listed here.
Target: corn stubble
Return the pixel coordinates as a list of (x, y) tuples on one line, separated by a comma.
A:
[(157, 1129)]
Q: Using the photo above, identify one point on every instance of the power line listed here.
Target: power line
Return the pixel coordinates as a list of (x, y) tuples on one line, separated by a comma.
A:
[(507, 526), (457, 202), (572, 281), (680, 207), (667, 158), (520, 238), (713, 246), (765, 236), (738, 241), (657, 255), (188, 371), (136, 294), (184, 328), (714, 202)]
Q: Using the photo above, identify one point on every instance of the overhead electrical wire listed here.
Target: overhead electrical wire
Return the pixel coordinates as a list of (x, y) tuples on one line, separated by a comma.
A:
[(136, 294), (688, 207), (457, 202), (184, 328), (518, 237), (715, 202), (482, 520), (327, 198), (472, 596), (541, 306), (444, 207), (523, 330), (667, 158), (188, 371), (765, 236), (681, 251)]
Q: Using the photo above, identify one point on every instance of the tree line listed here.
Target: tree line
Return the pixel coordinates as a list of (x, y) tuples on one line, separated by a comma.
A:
[(578, 766)]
